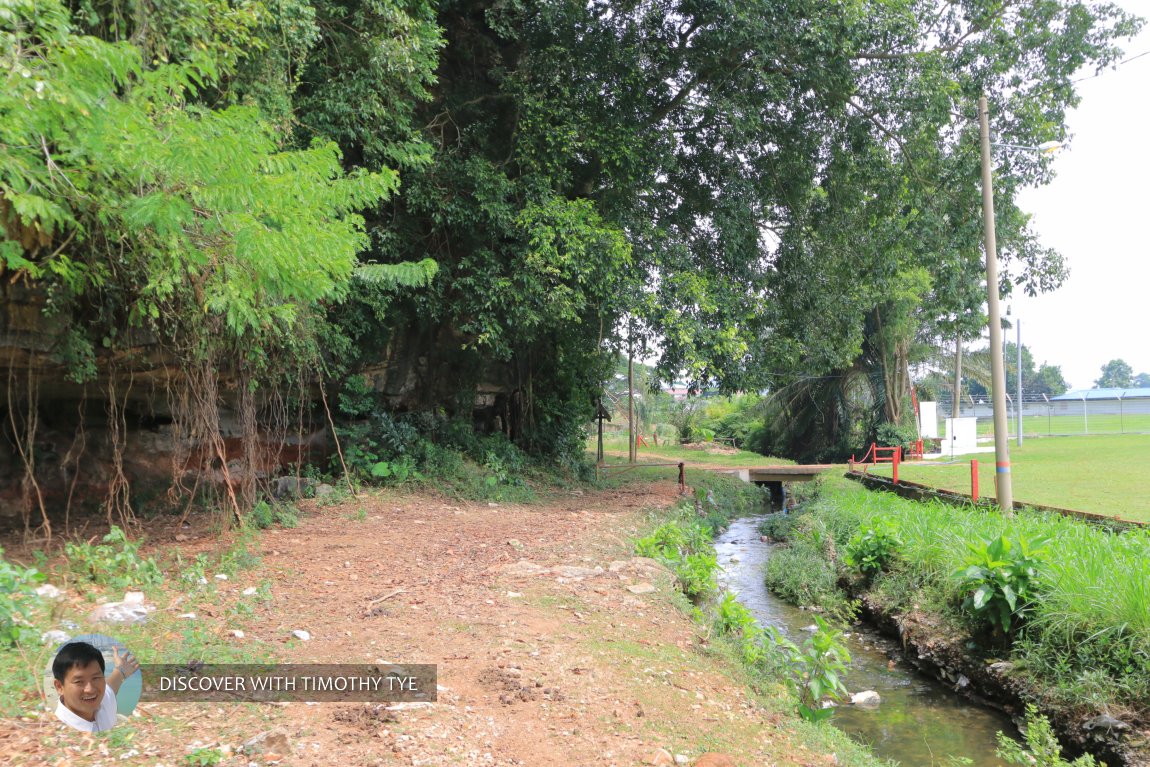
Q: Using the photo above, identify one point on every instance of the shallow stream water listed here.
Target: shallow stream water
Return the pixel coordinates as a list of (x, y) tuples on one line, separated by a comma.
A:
[(920, 722)]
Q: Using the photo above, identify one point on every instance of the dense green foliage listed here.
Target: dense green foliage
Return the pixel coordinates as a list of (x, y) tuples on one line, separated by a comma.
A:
[(771, 193), (140, 209), (1115, 374), (764, 189), (685, 547)]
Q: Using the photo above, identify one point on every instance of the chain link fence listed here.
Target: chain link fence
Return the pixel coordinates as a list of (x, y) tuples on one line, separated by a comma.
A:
[(1055, 418)]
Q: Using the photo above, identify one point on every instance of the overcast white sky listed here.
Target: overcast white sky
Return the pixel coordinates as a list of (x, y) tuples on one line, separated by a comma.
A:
[(1096, 212)]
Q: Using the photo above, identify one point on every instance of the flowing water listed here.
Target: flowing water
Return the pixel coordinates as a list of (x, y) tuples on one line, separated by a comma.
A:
[(920, 722)]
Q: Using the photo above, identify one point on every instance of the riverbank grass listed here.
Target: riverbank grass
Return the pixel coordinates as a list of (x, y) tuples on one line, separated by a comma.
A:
[(1084, 639)]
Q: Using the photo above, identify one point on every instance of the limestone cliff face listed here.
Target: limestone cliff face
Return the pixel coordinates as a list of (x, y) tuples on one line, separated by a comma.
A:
[(80, 440)]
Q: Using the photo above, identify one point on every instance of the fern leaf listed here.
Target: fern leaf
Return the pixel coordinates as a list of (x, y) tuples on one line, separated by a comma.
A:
[(409, 274)]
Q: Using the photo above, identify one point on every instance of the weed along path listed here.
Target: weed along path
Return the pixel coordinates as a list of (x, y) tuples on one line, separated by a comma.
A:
[(554, 645)]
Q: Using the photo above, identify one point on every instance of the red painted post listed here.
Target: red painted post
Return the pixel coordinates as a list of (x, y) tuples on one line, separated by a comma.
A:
[(974, 480), (897, 457)]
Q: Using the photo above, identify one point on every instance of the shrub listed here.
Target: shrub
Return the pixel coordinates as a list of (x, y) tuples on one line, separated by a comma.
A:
[(1041, 749), (733, 617), (816, 669), (264, 515), (116, 562), (873, 549), (1001, 579), (684, 546), (892, 435), (664, 543)]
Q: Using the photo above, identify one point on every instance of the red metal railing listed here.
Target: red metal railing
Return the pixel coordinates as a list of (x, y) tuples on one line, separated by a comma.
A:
[(877, 454)]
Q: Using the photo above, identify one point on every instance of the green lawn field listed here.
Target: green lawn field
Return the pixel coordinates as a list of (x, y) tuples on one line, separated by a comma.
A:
[(1103, 474)]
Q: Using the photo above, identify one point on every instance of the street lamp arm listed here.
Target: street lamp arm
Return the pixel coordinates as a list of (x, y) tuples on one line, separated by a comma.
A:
[(1045, 147)]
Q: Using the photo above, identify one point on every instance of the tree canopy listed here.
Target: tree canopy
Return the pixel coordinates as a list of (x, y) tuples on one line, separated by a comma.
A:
[(759, 192), (1116, 374)]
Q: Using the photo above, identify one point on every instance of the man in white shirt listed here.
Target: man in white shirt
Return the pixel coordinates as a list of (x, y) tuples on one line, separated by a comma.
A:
[(87, 698)]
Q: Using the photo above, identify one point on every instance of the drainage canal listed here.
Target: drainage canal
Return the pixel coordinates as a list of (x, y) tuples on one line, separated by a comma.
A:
[(919, 722)]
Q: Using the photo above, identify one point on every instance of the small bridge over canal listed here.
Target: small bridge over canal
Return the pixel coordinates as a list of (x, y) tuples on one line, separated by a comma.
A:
[(773, 477)]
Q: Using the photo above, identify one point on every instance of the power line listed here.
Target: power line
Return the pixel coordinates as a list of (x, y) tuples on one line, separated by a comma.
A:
[(1120, 63)]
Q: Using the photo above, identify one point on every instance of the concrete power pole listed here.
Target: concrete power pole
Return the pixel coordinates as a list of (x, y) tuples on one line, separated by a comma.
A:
[(1001, 445), (632, 451)]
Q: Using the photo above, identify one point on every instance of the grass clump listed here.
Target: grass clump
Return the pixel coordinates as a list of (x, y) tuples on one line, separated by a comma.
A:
[(805, 572), (264, 515)]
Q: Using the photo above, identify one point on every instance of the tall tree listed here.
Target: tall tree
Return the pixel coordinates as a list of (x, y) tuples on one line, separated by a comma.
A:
[(786, 180), (1116, 374), (147, 197), (1048, 380)]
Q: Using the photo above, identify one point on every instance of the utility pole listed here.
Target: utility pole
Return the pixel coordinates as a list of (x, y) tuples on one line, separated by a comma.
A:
[(632, 452), (1018, 407), (1001, 446), (954, 410)]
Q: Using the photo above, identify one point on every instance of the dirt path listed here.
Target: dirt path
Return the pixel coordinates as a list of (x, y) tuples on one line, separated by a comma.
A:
[(551, 644)]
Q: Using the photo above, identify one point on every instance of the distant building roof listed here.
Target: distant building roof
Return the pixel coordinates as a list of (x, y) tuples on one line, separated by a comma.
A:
[(1081, 394)]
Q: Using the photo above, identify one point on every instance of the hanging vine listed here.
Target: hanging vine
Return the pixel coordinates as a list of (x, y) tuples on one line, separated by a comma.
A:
[(118, 501), (23, 418)]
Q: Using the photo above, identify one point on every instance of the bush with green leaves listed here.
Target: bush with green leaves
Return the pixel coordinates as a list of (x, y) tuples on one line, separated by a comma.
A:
[(1041, 748), (816, 668), (396, 471), (873, 549), (17, 595), (663, 543), (116, 562), (1001, 579), (892, 435), (696, 575), (264, 515), (733, 619), (382, 448), (684, 545)]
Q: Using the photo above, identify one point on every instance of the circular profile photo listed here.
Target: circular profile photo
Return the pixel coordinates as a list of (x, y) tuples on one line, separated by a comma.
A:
[(91, 680)]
